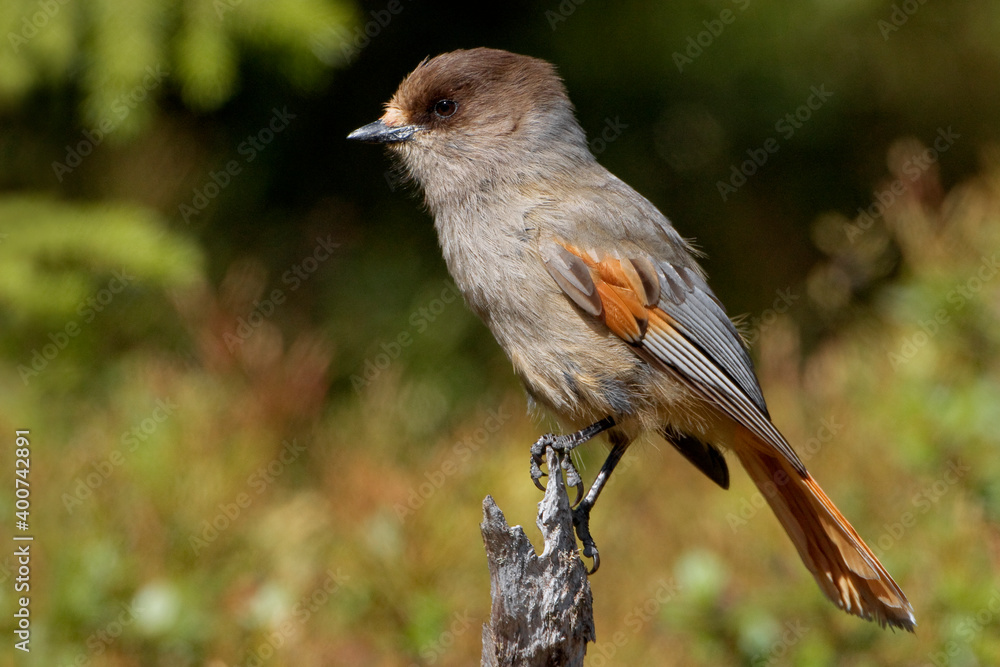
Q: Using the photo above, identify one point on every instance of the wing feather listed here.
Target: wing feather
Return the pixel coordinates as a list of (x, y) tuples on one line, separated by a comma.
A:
[(686, 330)]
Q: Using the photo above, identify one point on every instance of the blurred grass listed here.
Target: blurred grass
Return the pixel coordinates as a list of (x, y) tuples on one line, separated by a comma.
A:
[(218, 506)]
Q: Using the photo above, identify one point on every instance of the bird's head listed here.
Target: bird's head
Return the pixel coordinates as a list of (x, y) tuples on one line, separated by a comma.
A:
[(476, 114)]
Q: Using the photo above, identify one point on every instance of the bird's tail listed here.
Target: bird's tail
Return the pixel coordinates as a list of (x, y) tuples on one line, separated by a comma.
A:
[(843, 565)]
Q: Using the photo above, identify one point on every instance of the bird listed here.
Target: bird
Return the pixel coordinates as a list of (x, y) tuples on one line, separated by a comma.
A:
[(599, 303)]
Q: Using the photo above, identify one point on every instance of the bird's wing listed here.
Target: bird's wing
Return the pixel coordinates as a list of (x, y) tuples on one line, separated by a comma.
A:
[(670, 316)]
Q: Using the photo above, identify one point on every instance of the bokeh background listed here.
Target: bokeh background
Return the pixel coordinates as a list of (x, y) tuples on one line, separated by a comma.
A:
[(262, 424)]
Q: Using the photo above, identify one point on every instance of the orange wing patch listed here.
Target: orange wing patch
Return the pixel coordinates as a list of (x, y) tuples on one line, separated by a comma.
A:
[(628, 290), (623, 313)]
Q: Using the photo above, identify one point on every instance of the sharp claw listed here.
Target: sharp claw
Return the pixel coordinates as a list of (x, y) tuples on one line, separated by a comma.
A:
[(540, 486), (579, 494), (536, 466), (538, 458), (590, 551)]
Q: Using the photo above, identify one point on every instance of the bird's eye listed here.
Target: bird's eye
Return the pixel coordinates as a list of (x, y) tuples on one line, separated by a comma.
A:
[(445, 108)]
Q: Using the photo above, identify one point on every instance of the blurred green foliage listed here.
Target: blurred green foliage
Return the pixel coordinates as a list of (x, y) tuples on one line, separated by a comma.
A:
[(107, 48), (51, 248), (262, 432)]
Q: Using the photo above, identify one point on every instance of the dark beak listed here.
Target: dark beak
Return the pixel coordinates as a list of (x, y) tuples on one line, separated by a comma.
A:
[(380, 133)]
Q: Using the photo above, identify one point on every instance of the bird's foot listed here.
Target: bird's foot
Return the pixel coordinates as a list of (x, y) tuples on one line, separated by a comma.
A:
[(563, 444)]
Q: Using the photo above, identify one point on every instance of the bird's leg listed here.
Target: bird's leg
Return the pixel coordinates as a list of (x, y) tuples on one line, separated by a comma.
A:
[(581, 515), (564, 444)]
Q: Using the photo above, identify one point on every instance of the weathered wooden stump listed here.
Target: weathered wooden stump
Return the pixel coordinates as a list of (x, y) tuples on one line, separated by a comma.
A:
[(542, 606)]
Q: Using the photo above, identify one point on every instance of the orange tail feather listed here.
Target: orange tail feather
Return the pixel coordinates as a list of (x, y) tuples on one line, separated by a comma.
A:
[(843, 565)]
